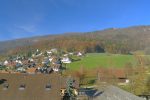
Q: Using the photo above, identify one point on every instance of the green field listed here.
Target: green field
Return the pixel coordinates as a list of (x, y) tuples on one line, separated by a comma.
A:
[(95, 60)]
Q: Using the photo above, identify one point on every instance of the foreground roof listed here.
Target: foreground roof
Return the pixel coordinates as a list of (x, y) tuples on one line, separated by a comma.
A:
[(115, 93), (34, 86)]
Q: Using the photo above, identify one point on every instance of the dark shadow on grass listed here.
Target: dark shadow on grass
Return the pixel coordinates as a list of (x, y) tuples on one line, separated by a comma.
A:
[(75, 60)]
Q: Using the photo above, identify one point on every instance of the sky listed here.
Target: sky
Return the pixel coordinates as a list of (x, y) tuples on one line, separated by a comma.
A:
[(28, 18)]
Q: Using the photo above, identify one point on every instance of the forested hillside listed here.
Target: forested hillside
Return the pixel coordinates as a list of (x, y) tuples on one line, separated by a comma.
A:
[(121, 40)]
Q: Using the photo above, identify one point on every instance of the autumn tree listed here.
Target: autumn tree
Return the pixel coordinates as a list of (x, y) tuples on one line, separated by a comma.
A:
[(81, 74)]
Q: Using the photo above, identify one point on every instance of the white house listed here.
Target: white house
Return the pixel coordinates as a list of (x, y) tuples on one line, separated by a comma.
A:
[(66, 60), (71, 53), (19, 61), (50, 59), (49, 52), (79, 54), (55, 69), (5, 62), (37, 50), (127, 81), (21, 69), (33, 55), (30, 59)]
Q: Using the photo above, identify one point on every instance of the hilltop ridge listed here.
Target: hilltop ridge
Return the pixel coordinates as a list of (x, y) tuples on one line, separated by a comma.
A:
[(113, 40)]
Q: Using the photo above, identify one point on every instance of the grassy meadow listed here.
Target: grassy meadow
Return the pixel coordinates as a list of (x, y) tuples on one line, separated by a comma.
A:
[(95, 60)]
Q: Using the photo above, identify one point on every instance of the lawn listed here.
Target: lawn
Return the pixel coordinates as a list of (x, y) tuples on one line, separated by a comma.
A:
[(95, 60)]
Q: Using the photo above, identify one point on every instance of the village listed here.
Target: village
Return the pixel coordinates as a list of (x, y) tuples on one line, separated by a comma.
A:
[(39, 62), (50, 61), (45, 65)]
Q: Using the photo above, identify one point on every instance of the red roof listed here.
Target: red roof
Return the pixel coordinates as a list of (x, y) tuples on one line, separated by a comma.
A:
[(31, 70)]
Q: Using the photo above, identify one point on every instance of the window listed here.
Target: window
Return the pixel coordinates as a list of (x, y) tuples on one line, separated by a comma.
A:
[(22, 87), (48, 86)]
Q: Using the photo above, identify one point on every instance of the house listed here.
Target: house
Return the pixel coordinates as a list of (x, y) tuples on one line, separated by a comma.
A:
[(32, 87), (114, 93), (56, 67), (56, 64), (65, 60), (11, 64), (19, 62), (33, 55), (37, 53), (18, 65), (5, 62), (21, 69), (30, 60), (31, 70), (31, 64), (79, 54), (37, 50), (108, 92), (50, 59), (46, 61), (49, 52), (44, 70), (71, 53)]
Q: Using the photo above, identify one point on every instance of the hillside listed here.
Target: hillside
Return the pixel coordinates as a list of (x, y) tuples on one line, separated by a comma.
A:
[(19, 43), (113, 40)]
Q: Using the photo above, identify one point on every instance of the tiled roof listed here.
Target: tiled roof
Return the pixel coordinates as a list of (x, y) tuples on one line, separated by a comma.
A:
[(34, 86), (31, 70)]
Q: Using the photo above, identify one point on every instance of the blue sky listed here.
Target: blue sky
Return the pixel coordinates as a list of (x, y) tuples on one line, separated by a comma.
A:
[(27, 18)]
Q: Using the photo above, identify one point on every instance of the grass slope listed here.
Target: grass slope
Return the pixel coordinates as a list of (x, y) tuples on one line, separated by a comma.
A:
[(95, 60)]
